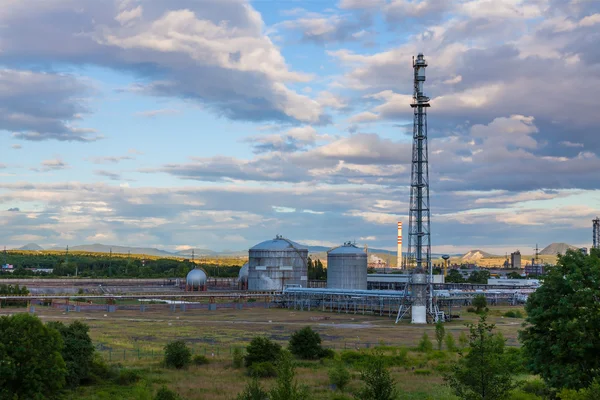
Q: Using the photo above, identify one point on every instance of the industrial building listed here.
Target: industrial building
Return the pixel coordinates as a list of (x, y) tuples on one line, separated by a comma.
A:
[(275, 263), (515, 260), (347, 267)]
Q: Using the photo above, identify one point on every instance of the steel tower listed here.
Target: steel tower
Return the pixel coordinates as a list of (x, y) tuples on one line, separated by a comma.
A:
[(419, 237), (596, 223)]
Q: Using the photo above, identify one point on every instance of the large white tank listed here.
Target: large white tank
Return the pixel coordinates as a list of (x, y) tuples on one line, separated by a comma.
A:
[(347, 267)]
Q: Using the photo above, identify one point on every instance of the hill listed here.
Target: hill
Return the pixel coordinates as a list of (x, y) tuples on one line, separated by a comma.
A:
[(103, 248), (556, 248), (31, 247), (475, 255)]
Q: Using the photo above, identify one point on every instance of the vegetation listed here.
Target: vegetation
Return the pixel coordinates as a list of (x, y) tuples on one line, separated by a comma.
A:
[(264, 369), (177, 355), (286, 387), (165, 393), (260, 350), (481, 373), (77, 352), (480, 304), (378, 383), (238, 358), (440, 333), (13, 290), (306, 344), (339, 376), (200, 360), (316, 271), (513, 314), (450, 343), (425, 345), (561, 341), (253, 391)]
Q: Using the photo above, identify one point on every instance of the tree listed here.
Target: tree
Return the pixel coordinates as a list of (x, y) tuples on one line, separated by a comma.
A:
[(260, 350), (479, 277), (306, 344), (339, 376), (425, 344), (480, 303), (78, 350), (253, 391), (286, 387), (238, 358), (561, 340), (31, 366), (481, 373), (440, 332), (177, 354), (514, 275), (379, 384), (454, 276), (463, 340), (165, 393), (450, 343)]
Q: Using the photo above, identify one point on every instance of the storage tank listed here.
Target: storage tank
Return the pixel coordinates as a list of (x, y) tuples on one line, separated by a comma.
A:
[(276, 263), (195, 280), (347, 267), (243, 277)]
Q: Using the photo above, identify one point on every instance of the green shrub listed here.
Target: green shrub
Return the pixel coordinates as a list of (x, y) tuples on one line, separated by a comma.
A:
[(520, 395), (100, 371), (513, 314), (260, 350), (306, 344), (425, 345), (286, 387), (78, 350), (128, 376), (177, 355), (264, 369), (422, 372), (379, 384), (339, 396), (471, 309), (238, 358), (537, 387), (165, 393), (253, 391), (339, 376), (200, 360), (513, 356), (327, 353), (450, 343)]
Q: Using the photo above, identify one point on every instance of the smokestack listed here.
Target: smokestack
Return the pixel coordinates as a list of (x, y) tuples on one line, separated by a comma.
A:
[(399, 245)]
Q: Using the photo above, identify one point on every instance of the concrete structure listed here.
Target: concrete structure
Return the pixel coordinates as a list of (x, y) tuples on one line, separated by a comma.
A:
[(347, 267), (273, 264), (534, 269), (399, 262), (514, 282), (195, 280), (515, 260)]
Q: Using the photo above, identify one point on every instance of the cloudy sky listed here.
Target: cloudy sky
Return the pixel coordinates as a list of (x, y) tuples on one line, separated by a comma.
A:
[(221, 123)]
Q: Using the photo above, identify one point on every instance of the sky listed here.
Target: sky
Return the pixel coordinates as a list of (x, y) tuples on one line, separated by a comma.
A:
[(222, 123)]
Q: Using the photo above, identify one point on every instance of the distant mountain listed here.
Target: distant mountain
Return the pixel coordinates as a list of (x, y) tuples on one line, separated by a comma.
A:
[(31, 246), (103, 248), (475, 255), (556, 248), (197, 252)]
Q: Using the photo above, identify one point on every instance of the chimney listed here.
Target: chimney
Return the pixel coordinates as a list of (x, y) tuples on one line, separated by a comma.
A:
[(399, 245)]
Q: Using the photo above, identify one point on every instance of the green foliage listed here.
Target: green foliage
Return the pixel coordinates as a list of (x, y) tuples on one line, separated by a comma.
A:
[(31, 365), (200, 360), (480, 304), (78, 351), (177, 354), (590, 393), (536, 387), (482, 373), (520, 395), (327, 353), (253, 391), (561, 340), (286, 387), (339, 376), (264, 369), (513, 357), (100, 371), (261, 349), (513, 314), (379, 384), (479, 277), (238, 358), (440, 332), (454, 276), (14, 290), (425, 345), (422, 372), (306, 344), (128, 376), (165, 393), (450, 343), (514, 275), (463, 340), (316, 271)]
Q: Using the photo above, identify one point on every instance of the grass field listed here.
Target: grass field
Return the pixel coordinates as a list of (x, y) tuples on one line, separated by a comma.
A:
[(215, 332)]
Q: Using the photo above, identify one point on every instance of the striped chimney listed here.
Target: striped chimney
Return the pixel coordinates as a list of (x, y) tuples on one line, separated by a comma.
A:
[(399, 265)]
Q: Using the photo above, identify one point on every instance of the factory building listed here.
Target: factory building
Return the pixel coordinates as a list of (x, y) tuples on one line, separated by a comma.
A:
[(275, 263), (515, 260), (347, 267)]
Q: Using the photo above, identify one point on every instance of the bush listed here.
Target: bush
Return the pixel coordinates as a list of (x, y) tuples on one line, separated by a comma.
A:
[(200, 360), (425, 345), (306, 344), (513, 314), (327, 353), (339, 376), (238, 358), (177, 355), (78, 350), (513, 357), (471, 310), (379, 384), (422, 372), (262, 370), (253, 391), (128, 376), (286, 387), (536, 387), (450, 343), (166, 394), (100, 370), (260, 350), (480, 304)]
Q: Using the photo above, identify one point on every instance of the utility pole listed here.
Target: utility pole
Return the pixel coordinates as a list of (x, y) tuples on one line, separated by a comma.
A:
[(110, 262)]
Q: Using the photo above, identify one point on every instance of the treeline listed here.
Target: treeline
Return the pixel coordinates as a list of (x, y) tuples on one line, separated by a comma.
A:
[(316, 271), (104, 266)]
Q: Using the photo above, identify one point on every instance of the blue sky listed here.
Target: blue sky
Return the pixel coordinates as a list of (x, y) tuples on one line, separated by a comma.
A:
[(219, 124)]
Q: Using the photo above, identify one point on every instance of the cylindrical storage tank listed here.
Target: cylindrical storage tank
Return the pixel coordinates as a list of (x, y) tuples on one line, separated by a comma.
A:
[(276, 263), (347, 267), (195, 280), (243, 277)]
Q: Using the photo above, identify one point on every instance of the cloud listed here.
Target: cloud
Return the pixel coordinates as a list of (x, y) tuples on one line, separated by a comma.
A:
[(111, 159), (211, 51), (108, 174), (40, 106), (154, 113), (14, 209), (16, 146), (292, 140), (55, 164)]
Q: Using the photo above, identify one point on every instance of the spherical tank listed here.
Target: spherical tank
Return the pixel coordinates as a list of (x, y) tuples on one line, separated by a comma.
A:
[(347, 267), (273, 264), (195, 280), (243, 277)]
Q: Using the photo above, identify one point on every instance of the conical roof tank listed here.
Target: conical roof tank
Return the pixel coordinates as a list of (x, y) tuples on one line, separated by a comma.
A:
[(347, 267)]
